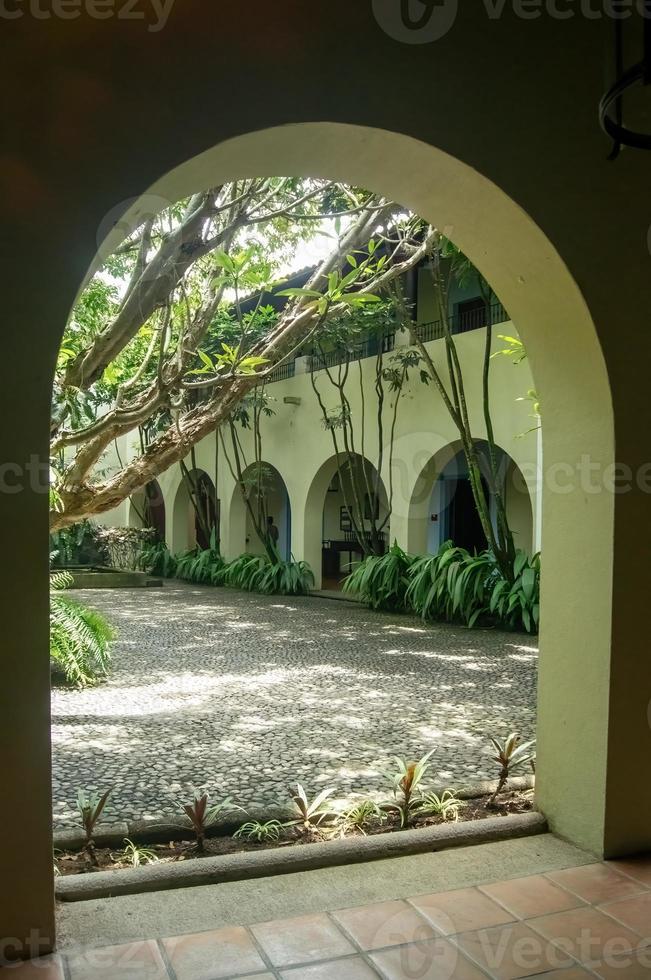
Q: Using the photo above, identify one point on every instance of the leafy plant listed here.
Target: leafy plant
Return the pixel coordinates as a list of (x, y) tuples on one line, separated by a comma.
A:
[(239, 573), (261, 832), (360, 815), (283, 578), (90, 806), (511, 754), (447, 805), (137, 856), (311, 813), (256, 573), (79, 637), (381, 580), (450, 585), (406, 782), (455, 586), (201, 814), (517, 603), (203, 566), (156, 559)]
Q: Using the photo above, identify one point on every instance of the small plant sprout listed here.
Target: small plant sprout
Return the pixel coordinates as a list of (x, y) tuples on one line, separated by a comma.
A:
[(90, 806), (447, 805), (201, 814), (360, 815), (511, 754), (260, 832), (137, 856), (406, 781), (311, 814)]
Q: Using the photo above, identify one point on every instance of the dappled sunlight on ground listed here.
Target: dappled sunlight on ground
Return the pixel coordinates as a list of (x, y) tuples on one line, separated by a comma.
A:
[(247, 694)]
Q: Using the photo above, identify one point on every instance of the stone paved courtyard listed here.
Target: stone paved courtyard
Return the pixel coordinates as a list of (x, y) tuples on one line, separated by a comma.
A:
[(247, 694)]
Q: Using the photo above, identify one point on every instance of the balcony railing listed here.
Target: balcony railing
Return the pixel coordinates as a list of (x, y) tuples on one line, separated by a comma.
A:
[(365, 348), (461, 323), (286, 370)]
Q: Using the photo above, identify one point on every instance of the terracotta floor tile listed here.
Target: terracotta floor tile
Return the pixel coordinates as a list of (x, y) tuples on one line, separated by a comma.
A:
[(596, 883), (629, 966), (533, 896), (586, 933), (638, 868), (352, 969), (437, 959), (47, 968), (512, 951), (384, 924), (301, 940), (461, 911), (133, 961), (633, 912), (211, 955)]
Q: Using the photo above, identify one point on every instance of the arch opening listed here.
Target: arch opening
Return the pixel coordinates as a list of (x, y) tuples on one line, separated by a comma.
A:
[(442, 506), (546, 305)]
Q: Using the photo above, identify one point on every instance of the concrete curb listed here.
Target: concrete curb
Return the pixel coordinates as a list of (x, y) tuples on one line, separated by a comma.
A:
[(298, 857), (159, 830)]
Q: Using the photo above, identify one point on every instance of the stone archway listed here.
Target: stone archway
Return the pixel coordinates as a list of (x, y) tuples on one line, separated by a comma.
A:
[(329, 542), (194, 511), (273, 507), (550, 313), (441, 506)]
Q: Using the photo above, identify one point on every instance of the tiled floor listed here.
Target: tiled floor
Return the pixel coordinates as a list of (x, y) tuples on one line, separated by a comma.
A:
[(590, 921)]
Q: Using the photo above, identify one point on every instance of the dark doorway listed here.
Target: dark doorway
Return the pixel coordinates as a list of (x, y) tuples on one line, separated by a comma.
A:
[(465, 527), (154, 515)]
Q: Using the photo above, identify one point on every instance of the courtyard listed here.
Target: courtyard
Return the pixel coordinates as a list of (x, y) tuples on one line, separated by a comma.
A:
[(246, 695)]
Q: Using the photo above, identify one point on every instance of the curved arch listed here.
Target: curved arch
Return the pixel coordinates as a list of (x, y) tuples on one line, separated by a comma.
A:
[(549, 311), (146, 508), (275, 506), (440, 504), (325, 497), (194, 514)]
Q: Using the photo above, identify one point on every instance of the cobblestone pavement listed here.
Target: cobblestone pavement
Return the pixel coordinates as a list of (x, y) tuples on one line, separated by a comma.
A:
[(246, 694)]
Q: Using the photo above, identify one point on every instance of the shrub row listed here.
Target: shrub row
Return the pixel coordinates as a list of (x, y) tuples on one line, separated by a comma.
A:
[(452, 586)]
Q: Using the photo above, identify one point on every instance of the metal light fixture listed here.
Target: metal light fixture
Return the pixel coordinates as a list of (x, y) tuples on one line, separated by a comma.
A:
[(611, 107)]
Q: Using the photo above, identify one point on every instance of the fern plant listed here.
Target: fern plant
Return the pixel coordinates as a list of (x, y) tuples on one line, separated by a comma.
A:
[(79, 637), (381, 581)]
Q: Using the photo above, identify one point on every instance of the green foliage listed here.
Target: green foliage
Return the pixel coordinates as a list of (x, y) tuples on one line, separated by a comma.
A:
[(381, 580), (203, 566), (511, 755), (79, 637), (156, 559), (455, 586), (517, 603), (311, 813), (360, 815), (76, 545), (406, 779), (201, 814), (256, 573), (90, 806), (137, 856), (447, 805), (260, 832)]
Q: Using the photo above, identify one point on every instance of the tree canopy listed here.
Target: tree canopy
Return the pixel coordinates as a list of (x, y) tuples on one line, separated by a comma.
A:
[(174, 331)]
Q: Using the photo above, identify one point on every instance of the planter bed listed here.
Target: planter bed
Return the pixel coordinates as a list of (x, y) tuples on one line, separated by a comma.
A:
[(225, 858)]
